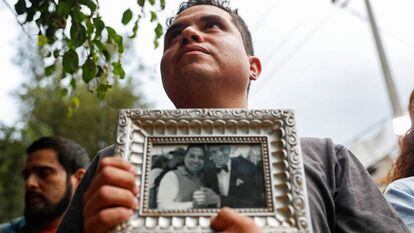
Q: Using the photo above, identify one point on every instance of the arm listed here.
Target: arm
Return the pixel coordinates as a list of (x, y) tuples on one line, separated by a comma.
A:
[(400, 195), (360, 206), (168, 191)]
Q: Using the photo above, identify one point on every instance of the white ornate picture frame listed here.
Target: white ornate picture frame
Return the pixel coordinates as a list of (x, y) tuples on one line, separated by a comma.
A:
[(140, 132)]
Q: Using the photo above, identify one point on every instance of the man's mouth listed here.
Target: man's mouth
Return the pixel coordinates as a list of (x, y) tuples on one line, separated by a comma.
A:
[(35, 198), (194, 49)]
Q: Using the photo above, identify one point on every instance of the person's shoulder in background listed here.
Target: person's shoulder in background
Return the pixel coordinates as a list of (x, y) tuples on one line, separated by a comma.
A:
[(15, 226), (400, 194)]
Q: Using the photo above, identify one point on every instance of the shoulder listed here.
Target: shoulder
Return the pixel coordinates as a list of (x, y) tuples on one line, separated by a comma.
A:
[(319, 146), (169, 176), (15, 225), (323, 153), (241, 161), (242, 165), (405, 184)]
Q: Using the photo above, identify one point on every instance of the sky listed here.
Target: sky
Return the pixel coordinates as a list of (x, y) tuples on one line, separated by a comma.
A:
[(318, 59)]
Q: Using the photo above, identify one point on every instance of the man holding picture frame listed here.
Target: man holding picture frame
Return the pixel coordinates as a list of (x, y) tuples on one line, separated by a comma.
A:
[(208, 62)]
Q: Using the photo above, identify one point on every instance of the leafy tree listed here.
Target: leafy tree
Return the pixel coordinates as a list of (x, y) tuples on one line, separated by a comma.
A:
[(79, 116), (73, 34), (12, 159)]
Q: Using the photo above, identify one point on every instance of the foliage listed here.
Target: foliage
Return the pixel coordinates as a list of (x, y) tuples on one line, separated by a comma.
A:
[(74, 34), (79, 116), (11, 184)]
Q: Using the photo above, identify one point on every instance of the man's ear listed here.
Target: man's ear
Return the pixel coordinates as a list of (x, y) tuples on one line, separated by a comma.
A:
[(76, 177), (255, 67)]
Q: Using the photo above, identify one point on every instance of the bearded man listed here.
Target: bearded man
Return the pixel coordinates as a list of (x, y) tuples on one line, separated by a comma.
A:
[(53, 169)]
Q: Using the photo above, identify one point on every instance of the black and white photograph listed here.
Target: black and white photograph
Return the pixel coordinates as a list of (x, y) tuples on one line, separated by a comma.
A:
[(206, 175)]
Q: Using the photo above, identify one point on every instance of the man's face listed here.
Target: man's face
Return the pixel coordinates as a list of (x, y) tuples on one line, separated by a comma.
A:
[(194, 159), (204, 60), (219, 154), (47, 187)]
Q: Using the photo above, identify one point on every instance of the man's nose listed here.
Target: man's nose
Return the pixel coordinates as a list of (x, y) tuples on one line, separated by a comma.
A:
[(31, 182), (190, 34)]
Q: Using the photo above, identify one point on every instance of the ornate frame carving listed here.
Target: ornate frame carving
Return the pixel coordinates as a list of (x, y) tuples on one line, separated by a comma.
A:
[(287, 207)]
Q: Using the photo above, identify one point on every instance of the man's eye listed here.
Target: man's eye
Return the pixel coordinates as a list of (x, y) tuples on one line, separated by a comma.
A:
[(175, 34), (43, 173), (212, 25)]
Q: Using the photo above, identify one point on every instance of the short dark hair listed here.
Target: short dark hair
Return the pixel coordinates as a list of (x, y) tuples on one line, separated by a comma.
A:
[(71, 155), (197, 145), (224, 5)]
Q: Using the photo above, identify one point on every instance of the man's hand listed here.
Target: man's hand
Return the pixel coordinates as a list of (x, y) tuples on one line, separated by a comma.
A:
[(205, 197), (229, 221), (111, 197)]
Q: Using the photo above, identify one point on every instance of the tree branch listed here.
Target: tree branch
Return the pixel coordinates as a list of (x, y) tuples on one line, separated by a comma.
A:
[(13, 12)]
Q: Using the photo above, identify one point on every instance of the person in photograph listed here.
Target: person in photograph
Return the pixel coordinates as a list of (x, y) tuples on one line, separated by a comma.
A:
[(53, 169), (177, 187), (158, 165), (208, 61), (236, 179), (400, 193)]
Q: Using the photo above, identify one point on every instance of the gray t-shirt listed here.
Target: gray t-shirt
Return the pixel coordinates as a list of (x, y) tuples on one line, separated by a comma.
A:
[(342, 196)]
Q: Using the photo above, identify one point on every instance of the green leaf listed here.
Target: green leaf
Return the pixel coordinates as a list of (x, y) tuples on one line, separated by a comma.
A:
[(152, 2), (156, 43), (75, 102), (41, 40), (63, 9), (141, 3), (118, 70), (126, 17), (90, 4), (30, 13), (158, 31), (102, 49), (88, 70), (100, 72), (162, 3), (20, 7), (153, 16), (102, 90), (73, 83), (77, 15), (56, 53), (78, 34), (100, 25), (63, 92), (49, 70), (70, 61), (89, 27), (116, 38), (135, 29)]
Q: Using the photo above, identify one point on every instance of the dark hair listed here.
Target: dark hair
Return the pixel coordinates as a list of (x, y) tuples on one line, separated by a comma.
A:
[(159, 161), (197, 145), (70, 154), (404, 165), (224, 5)]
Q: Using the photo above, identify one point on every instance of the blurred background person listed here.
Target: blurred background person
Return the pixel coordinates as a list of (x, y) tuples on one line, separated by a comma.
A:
[(400, 193), (53, 169)]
